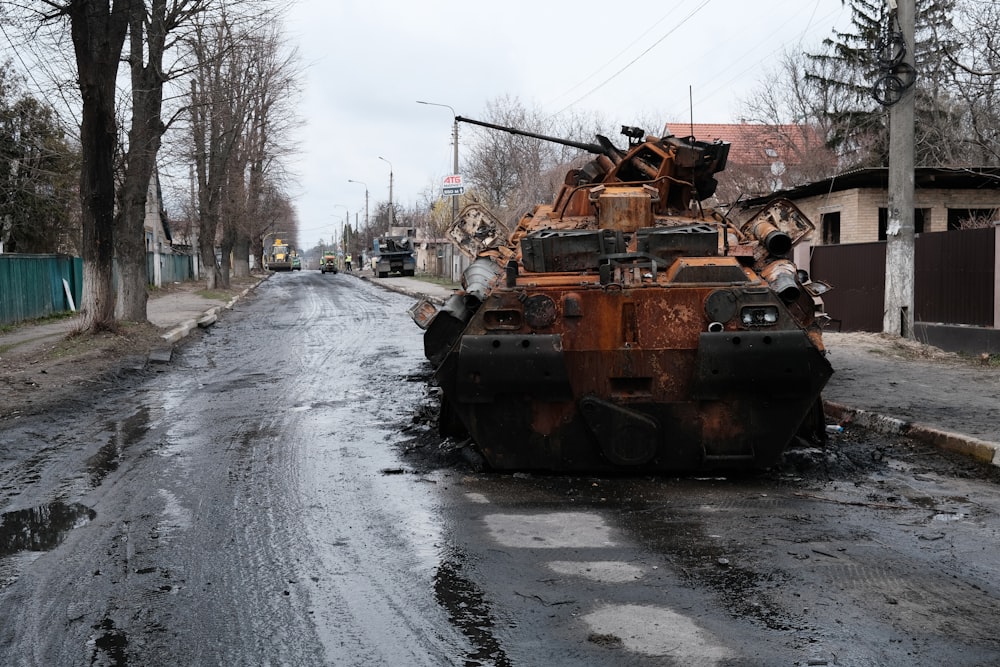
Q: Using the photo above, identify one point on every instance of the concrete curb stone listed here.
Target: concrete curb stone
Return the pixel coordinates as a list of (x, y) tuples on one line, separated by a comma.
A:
[(208, 318), (980, 450)]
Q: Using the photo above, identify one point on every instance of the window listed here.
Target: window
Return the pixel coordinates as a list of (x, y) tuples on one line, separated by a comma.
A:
[(919, 216), (969, 218), (830, 224)]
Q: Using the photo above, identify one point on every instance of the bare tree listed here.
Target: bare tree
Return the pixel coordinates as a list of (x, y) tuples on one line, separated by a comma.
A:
[(795, 113), (98, 29), (264, 141), (237, 96), (150, 28), (218, 116), (510, 173)]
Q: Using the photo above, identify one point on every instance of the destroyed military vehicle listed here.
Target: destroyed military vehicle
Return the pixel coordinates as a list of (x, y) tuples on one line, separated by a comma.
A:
[(626, 328)]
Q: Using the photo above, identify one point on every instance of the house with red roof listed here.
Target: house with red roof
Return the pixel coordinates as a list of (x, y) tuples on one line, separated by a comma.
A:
[(762, 158)]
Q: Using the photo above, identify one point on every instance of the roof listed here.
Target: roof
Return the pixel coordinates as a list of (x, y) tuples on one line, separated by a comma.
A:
[(965, 178), (752, 143)]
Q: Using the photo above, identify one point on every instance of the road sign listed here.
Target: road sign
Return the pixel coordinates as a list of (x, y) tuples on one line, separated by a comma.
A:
[(453, 186)]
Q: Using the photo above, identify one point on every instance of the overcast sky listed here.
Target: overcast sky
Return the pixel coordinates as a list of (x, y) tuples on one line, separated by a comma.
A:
[(367, 62)]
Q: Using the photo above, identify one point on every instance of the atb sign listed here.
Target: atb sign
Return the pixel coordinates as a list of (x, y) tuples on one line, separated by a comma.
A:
[(453, 186)]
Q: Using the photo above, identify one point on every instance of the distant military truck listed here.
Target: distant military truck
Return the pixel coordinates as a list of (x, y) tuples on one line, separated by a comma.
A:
[(394, 255)]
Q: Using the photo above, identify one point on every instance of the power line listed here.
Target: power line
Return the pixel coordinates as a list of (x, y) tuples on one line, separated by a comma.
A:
[(636, 59), (726, 84), (617, 55)]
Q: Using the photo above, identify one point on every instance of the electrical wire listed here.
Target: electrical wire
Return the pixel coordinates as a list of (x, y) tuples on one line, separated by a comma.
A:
[(636, 59), (619, 54)]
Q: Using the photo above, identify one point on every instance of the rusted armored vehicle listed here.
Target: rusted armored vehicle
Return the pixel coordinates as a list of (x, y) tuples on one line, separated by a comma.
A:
[(624, 327)]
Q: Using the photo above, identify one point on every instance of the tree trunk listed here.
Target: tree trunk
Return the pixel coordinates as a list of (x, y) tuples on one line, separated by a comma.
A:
[(98, 33), (241, 256), (206, 251), (145, 136)]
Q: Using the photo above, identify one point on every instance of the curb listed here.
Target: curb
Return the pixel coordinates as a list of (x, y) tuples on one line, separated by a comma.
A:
[(413, 294), (208, 318), (983, 451)]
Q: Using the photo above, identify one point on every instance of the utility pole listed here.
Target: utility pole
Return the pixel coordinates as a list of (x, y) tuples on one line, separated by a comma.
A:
[(392, 213), (897, 317), (454, 143), (366, 198)]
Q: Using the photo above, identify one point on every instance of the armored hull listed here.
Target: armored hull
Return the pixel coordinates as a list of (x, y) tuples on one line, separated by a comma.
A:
[(610, 332)]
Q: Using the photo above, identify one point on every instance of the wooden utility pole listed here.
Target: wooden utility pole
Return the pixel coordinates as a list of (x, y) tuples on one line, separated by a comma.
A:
[(899, 250)]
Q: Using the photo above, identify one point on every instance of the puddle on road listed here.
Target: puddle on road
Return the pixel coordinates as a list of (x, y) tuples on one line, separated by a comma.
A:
[(41, 528), (606, 572), (110, 647)]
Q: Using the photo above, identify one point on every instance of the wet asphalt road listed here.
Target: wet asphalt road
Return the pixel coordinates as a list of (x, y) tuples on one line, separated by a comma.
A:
[(253, 503)]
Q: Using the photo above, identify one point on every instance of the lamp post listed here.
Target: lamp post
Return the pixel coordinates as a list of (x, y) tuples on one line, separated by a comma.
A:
[(454, 141), (347, 221), (392, 215), (366, 198)]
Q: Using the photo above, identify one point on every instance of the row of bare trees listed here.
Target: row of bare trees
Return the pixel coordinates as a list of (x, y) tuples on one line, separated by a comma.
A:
[(205, 83), (238, 132)]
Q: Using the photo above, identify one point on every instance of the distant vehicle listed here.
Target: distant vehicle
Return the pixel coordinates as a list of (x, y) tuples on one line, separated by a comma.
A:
[(393, 254), (280, 257), (296, 263), (328, 264)]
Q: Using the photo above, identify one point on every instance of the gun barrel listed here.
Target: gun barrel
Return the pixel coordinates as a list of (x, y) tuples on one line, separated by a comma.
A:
[(596, 149)]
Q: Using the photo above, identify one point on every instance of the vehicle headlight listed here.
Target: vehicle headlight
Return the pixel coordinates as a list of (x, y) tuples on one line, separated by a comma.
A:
[(759, 316)]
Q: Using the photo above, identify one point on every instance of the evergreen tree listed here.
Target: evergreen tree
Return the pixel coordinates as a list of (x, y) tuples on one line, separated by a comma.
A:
[(853, 61), (38, 173)]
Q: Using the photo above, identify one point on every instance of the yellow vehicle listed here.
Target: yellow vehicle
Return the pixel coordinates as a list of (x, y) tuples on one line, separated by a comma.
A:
[(280, 257)]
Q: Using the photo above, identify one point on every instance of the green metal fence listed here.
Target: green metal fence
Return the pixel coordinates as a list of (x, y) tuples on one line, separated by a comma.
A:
[(33, 286), (173, 268)]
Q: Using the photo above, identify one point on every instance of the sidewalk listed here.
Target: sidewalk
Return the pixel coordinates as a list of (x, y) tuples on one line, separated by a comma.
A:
[(895, 386), (178, 310)]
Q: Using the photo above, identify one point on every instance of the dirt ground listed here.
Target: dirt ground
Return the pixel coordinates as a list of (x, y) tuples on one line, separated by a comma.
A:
[(61, 361)]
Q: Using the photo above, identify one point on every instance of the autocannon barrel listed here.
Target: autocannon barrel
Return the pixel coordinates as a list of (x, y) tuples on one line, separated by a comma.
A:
[(596, 149)]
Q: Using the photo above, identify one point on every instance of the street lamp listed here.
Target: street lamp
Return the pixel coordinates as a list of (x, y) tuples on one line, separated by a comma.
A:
[(366, 198), (392, 217), (454, 141), (347, 221)]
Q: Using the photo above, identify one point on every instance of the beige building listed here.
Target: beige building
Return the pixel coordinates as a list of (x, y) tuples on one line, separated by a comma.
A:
[(853, 207)]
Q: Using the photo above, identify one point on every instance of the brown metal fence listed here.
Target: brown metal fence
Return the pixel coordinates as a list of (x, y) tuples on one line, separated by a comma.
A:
[(856, 272), (954, 277)]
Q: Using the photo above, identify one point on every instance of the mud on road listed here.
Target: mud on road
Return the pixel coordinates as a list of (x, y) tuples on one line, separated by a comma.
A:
[(284, 472)]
